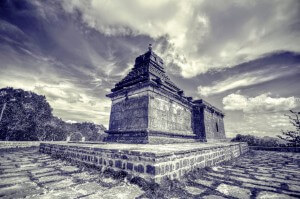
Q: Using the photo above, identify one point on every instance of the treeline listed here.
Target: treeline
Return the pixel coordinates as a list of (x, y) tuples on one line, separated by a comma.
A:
[(289, 138), (259, 141), (26, 116)]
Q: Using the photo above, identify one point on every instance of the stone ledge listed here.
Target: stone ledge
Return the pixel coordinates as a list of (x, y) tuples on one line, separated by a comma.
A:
[(7, 145), (145, 136)]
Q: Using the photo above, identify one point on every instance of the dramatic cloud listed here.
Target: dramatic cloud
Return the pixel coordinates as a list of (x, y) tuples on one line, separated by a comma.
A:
[(73, 52), (45, 50), (240, 81), (199, 35), (259, 104)]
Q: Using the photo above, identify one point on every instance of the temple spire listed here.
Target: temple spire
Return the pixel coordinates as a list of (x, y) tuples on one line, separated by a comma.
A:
[(150, 47)]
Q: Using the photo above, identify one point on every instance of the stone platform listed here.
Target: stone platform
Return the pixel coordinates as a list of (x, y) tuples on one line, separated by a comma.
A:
[(151, 162)]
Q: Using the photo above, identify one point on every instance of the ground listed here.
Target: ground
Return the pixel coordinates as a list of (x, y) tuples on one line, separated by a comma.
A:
[(257, 174)]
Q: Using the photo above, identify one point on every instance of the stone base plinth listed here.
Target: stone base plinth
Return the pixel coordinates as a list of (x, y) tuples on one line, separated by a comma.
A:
[(149, 137), (151, 162), (134, 137)]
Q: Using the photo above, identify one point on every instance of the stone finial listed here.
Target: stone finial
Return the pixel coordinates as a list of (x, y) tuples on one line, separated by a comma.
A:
[(150, 47)]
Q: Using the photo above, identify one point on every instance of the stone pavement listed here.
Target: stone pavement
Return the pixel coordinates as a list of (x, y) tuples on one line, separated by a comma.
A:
[(258, 174)]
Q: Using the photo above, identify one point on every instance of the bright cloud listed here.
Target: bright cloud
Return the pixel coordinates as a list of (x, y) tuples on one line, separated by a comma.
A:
[(259, 104), (200, 35)]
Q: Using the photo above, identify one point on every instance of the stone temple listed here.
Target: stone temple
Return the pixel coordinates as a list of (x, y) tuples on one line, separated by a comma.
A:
[(147, 107), (155, 132)]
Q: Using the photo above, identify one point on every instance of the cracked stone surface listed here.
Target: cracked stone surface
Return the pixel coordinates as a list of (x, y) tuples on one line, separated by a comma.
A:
[(258, 174), (234, 191), (194, 190)]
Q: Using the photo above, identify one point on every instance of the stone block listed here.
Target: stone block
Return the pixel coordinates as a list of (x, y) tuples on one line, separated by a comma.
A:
[(140, 168), (118, 164), (129, 166), (150, 169)]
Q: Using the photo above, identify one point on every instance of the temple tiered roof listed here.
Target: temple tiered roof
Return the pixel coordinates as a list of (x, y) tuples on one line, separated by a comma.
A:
[(148, 67)]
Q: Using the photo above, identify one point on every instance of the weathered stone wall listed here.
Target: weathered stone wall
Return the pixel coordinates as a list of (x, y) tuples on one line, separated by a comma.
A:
[(214, 125), (143, 113), (168, 115), (149, 165), (129, 113)]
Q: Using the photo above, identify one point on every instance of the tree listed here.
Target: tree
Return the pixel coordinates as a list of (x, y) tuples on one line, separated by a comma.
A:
[(91, 132), (293, 137), (257, 141), (23, 114), (54, 129), (26, 116), (250, 139)]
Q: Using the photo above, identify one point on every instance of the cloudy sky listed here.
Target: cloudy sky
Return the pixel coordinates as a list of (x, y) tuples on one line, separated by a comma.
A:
[(241, 56)]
